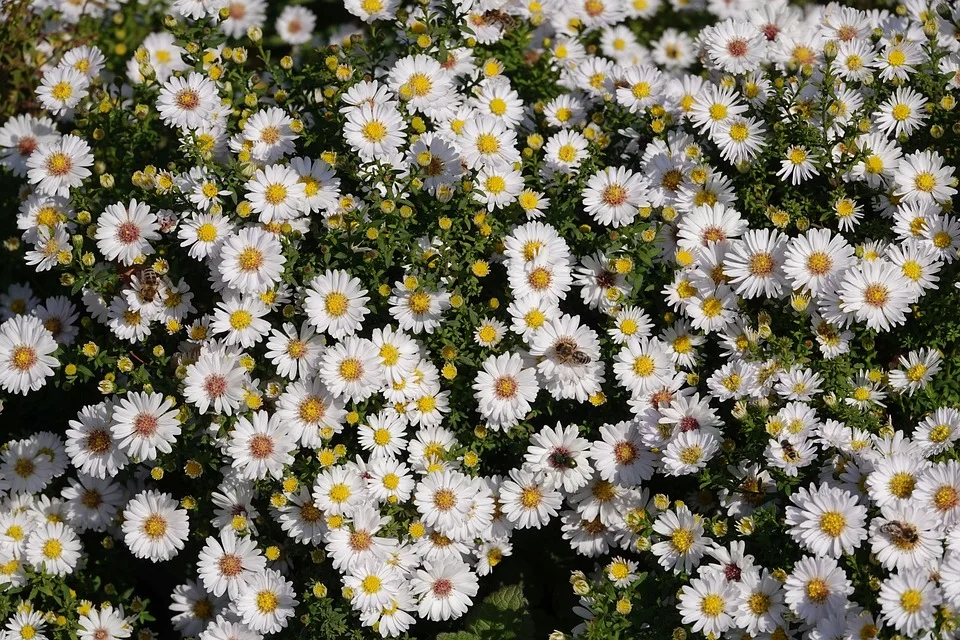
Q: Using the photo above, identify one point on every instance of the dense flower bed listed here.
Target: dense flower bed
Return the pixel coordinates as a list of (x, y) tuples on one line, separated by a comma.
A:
[(388, 329)]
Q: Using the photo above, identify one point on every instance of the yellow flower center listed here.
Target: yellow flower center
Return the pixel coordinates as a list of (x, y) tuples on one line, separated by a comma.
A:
[(374, 131), (275, 194), (250, 259), (155, 526), (312, 409), (911, 600), (682, 540), (419, 303), (487, 143), (267, 602), (241, 319), (351, 369), (52, 549), (901, 112), (336, 304), (832, 523), (925, 182), (712, 605), (818, 590)]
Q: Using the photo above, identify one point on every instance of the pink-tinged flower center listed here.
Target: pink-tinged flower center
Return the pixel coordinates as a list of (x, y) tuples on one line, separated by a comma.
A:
[(145, 425), (26, 145), (737, 47), (442, 588), (128, 233), (215, 386), (261, 446)]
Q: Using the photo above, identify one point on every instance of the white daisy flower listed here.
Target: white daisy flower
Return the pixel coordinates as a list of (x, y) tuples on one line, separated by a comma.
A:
[(53, 548), (336, 303), (261, 446), (446, 589), (909, 601), (145, 424), (187, 102), (251, 260), (153, 527), (124, 232), (25, 354), (224, 565), (62, 89), (59, 165), (266, 601)]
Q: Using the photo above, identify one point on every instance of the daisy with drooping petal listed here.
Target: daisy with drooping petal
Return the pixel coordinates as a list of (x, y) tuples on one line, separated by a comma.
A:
[(924, 176), (684, 543), (350, 368), (417, 309), (709, 603), (277, 193), (106, 624), (215, 381), (241, 318), (798, 165), (124, 232), (384, 434), (310, 410), (811, 260), (527, 501), (153, 526), (915, 370), (339, 491), (754, 264), (826, 520), (902, 113), (374, 131), (817, 588), (560, 457), (19, 138), (877, 293)]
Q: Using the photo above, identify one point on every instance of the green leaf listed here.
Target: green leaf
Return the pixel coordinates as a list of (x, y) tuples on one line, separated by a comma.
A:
[(509, 598), (456, 635), (502, 615)]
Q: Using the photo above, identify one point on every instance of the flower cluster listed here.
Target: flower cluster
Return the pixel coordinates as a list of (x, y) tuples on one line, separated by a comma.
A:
[(383, 306)]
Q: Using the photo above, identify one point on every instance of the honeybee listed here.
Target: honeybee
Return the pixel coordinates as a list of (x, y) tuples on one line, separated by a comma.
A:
[(789, 452), (568, 351), (900, 532), (501, 18), (563, 459), (149, 284)]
